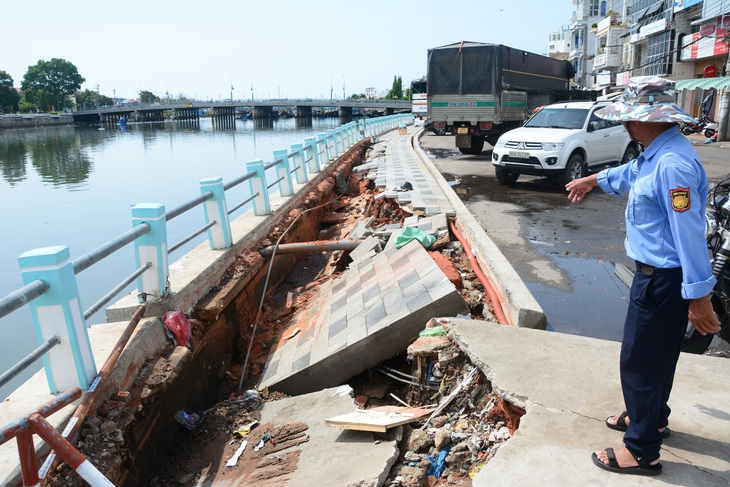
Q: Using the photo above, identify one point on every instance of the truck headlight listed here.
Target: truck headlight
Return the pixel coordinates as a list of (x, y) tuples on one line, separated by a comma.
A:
[(551, 146)]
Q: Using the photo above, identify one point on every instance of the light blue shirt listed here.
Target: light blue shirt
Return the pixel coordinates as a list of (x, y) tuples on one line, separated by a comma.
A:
[(663, 228)]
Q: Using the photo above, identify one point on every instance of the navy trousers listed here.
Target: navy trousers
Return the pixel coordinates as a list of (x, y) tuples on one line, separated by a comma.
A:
[(653, 332)]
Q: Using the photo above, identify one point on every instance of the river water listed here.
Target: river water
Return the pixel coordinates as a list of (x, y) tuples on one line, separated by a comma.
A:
[(75, 187)]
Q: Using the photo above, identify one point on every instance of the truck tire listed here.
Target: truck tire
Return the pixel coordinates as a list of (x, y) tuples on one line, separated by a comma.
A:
[(505, 176), (630, 154), (477, 144), (574, 169)]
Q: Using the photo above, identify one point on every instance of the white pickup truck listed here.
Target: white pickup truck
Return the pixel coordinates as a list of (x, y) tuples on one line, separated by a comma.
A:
[(566, 140)]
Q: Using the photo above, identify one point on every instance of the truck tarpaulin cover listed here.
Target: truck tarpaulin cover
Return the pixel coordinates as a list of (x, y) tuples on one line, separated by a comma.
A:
[(474, 67)]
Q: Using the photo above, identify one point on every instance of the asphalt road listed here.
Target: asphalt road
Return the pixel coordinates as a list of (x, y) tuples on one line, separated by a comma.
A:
[(566, 253)]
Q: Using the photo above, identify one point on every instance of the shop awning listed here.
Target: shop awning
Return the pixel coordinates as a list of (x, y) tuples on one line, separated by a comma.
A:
[(704, 83)]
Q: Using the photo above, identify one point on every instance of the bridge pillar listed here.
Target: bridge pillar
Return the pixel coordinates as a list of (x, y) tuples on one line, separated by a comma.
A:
[(259, 190), (303, 112), (152, 247), (312, 155), (58, 312), (300, 169), (389, 111), (261, 112), (224, 118), (345, 112), (283, 173), (216, 211)]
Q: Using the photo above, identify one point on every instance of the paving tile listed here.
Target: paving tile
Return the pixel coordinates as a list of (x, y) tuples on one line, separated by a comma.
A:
[(301, 363), (337, 326)]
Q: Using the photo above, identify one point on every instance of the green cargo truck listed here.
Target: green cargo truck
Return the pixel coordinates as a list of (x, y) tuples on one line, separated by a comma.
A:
[(479, 91)]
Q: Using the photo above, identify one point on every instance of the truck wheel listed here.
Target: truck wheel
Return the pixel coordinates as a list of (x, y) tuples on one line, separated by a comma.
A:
[(574, 169), (505, 176), (630, 154), (477, 144)]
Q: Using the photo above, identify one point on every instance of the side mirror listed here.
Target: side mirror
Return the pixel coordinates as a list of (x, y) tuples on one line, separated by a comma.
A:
[(593, 126)]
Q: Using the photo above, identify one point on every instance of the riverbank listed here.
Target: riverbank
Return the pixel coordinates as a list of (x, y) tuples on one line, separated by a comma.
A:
[(35, 120)]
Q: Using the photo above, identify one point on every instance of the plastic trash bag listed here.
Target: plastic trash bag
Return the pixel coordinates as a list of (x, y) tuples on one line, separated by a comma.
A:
[(411, 233), (432, 331), (438, 464), (178, 326)]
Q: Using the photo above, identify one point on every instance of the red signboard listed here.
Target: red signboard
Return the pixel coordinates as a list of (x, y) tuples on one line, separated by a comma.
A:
[(710, 71)]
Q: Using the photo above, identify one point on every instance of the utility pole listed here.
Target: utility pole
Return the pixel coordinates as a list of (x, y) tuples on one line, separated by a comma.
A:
[(343, 88)]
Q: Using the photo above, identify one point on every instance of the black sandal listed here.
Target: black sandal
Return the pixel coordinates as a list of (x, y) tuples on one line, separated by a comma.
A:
[(621, 425), (644, 468)]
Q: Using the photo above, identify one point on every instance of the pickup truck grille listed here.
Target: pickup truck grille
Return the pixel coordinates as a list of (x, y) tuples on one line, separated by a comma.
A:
[(532, 160), (515, 144)]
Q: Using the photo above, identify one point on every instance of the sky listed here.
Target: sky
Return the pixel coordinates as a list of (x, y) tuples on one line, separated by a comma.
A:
[(281, 49)]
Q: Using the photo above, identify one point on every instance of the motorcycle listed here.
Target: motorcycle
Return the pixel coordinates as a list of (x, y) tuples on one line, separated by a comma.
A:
[(717, 233), (710, 129), (689, 128)]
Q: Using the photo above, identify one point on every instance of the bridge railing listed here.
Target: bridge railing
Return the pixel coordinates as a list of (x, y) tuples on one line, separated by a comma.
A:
[(49, 275)]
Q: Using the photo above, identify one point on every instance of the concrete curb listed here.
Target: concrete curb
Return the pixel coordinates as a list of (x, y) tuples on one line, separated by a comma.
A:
[(522, 308)]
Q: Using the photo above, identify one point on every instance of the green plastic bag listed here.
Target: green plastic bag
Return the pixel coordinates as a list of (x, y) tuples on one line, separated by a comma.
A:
[(410, 233), (433, 331)]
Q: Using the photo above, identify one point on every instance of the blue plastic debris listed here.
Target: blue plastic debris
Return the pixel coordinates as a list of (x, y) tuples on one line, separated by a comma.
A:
[(438, 464)]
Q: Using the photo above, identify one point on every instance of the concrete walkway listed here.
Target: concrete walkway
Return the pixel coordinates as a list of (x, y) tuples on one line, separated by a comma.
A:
[(568, 385)]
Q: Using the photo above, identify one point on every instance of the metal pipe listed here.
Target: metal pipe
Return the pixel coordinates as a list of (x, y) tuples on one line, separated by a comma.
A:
[(89, 399), (274, 183), (175, 212), (65, 450), (303, 248), (87, 260), (20, 297), (110, 295), (239, 180), (243, 203), (27, 457), (13, 429), (190, 237), (271, 164), (29, 359)]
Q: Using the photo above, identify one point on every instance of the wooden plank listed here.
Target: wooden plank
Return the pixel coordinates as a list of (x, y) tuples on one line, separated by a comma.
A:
[(378, 419)]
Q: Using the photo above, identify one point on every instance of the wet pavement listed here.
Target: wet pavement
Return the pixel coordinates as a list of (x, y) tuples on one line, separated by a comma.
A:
[(566, 253)]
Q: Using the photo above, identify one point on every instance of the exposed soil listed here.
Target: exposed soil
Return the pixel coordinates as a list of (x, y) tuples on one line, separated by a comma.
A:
[(474, 424)]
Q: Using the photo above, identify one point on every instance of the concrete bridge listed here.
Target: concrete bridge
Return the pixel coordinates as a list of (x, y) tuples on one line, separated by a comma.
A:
[(227, 110)]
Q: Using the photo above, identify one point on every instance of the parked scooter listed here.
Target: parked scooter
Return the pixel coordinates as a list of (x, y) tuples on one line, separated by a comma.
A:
[(710, 129), (717, 232), (689, 128)]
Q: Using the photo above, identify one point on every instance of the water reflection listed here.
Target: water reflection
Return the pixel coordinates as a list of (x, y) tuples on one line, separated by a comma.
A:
[(58, 155)]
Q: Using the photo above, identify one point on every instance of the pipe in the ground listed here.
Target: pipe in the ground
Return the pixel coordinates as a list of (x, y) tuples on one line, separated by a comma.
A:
[(310, 247), (493, 297)]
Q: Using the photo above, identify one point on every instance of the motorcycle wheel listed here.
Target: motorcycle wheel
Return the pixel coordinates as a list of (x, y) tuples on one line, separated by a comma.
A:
[(709, 133), (687, 130), (696, 342)]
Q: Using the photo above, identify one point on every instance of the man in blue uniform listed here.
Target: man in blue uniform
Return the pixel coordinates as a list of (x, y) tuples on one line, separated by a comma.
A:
[(665, 222)]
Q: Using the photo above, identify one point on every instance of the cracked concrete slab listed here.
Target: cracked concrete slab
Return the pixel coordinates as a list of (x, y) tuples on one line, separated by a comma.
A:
[(568, 385)]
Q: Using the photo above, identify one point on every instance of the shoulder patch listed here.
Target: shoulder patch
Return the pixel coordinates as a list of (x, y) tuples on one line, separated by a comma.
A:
[(680, 199)]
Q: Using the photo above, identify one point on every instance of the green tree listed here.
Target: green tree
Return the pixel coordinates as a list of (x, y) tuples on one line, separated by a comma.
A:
[(9, 98), (147, 97), (49, 82), (89, 99), (396, 92)]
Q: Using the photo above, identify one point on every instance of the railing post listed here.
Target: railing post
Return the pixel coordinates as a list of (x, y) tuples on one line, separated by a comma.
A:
[(286, 186), (216, 209), (332, 144), (324, 153), (58, 312), (152, 247), (301, 168), (313, 158), (257, 185)]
